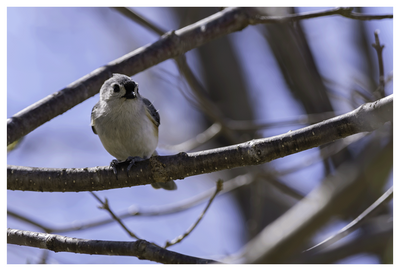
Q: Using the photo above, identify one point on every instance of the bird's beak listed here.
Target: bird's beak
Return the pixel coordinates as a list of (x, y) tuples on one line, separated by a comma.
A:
[(129, 94)]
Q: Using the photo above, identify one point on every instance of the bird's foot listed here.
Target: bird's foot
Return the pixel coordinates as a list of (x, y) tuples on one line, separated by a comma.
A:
[(132, 160)]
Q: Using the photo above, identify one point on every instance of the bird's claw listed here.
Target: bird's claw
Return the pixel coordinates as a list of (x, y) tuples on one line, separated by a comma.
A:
[(114, 164), (132, 160)]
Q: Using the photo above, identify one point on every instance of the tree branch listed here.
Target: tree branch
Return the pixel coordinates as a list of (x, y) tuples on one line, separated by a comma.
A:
[(379, 48), (183, 236), (376, 239), (367, 117), (166, 209), (140, 249), (105, 206), (169, 46), (356, 223), (345, 12), (139, 19), (283, 238)]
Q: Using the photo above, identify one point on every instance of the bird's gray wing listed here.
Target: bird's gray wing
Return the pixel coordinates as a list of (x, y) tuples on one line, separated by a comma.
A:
[(92, 118), (152, 111)]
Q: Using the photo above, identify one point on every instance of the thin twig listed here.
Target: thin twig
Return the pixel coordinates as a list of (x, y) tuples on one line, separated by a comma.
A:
[(325, 153), (140, 19), (177, 207), (106, 206), (30, 221), (198, 140), (281, 186), (244, 125), (345, 12), (379, 48), (44, 257), (375, 240), (180, 238), (356, 223)]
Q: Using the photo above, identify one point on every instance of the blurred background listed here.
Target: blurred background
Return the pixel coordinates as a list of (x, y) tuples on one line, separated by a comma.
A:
[(273, 77)]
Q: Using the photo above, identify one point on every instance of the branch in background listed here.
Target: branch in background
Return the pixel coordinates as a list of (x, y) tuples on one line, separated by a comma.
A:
[(186, 204), (139, 19), (367, 117), (203, 100), (30, 221), (167, 209), (375, 240), (283, 238), (140, 249), (180, 238), (106, 206), (44, 258), (243, 125), (170, 45), (345, 12), (285, 189), (183, 205), (356, 223), (198, 140), (177, 240), (325, 153), (379, 48)]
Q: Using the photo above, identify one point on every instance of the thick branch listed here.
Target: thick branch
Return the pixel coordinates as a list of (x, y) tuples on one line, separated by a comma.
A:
[(367, 117), (140, 249), (169, 46)]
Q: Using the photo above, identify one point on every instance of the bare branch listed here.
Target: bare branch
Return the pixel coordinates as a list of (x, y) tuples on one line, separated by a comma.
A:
[(106, 206), (183, 236), (167, 209), (198, 140), (324, 153), (367, 117), (140, 249), (379, 48), (30, 221), (245, 125), (282, 239), (169, 46), (139, 19), (345, 12), (356, 223), (376, 239)]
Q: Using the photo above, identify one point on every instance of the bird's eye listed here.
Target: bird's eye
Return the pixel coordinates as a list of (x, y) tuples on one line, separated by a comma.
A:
[(116, 88)]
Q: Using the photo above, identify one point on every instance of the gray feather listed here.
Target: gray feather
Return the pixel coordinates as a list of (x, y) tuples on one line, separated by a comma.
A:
[(92, 117), (152, 110)]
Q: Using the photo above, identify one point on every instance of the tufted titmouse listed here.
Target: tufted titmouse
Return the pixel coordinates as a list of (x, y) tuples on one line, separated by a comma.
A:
[(126, 123)]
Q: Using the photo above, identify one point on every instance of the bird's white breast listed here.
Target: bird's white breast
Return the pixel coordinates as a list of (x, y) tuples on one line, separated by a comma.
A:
[(130, 133)]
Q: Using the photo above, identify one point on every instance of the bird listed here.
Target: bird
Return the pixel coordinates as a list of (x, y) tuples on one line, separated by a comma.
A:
[(127, 124)]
